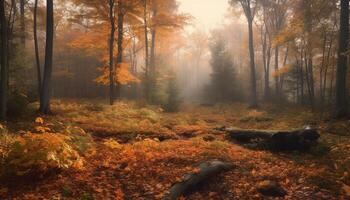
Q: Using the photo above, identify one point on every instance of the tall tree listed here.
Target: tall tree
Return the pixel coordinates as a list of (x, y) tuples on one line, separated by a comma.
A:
[(249, 7), (111, 51), (36, 46), (145, 21), (22, 23), (341, 103), (45, 95), (3, 61)]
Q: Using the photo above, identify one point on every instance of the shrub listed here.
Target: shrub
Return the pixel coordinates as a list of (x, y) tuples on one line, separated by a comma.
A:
[(36, 154)]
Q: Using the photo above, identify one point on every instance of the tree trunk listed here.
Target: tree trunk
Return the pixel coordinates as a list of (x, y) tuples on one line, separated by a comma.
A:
[(153, 56), (22, 24), (284, 140), (111, 52), (206, 171), (302, 99), (120, 43), (276, 71), (147, 81), (3, 61), (46, 87), (341, 109), (266, 46), (36, 46), (253, 101)]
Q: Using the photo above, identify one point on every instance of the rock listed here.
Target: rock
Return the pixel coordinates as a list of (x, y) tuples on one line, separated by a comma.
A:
[(271, 188)]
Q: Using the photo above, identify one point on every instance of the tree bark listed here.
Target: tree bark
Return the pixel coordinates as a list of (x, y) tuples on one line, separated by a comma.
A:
[(341, 103), (147, 81), (3, 62), (47, 87), (153, 54), (36, 46), (284, 140), (206, 171), (120, 43), (253, 101), (111, 52), (22, 24)]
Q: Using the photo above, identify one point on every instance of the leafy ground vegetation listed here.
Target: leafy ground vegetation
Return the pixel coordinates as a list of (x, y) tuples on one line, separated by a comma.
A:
[(130, 151)]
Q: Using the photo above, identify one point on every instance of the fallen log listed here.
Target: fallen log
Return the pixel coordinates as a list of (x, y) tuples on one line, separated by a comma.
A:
[(206, 171), (302, 139)]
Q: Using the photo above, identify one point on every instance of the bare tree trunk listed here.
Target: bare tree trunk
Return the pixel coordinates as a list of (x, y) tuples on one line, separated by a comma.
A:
[(276, 71), (111, 52), (120, 43), (302, 78), (3, 61), (266, 47), (46, 87), (22, 24), (322, 69), (283, 75), (312, 82), (37, 56), (153, 55), (326, 70), (341, 103), (147, 81), (253, 101)]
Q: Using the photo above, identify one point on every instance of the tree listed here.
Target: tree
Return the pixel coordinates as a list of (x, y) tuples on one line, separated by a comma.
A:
[(3, 61), (111, 49), (45, 95), (249, 7), (341, 109), (22, 23), (36, 46), (222, 88)]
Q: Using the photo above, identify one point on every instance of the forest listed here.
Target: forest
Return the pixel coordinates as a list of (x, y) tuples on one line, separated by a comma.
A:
[(174, 99)]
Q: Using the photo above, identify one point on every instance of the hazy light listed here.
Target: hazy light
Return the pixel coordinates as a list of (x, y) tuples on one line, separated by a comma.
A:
[(207, 13)]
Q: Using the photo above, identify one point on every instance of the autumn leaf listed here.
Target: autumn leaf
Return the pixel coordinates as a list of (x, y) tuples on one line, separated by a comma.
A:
[(39, 120)]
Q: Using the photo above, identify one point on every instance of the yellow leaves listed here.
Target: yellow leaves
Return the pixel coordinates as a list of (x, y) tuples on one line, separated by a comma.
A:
[(255, 113), (112, 144), (196, 170), (346, 189), (283, 70), (39, 120), (122, 75), (42, 129)]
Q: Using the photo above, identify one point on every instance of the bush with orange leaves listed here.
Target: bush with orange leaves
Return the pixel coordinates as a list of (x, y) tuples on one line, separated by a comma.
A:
[(34, 155)]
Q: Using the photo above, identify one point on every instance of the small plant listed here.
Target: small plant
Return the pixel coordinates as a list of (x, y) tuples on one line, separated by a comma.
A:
[(36, 154), (66, 192)]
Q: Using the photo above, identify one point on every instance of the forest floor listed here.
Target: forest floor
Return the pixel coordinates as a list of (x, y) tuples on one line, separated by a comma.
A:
[(131, 151)]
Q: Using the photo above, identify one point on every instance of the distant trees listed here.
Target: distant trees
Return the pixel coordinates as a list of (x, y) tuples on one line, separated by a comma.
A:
[(250, 7), (223, 86), (341, 104), (45, 95)]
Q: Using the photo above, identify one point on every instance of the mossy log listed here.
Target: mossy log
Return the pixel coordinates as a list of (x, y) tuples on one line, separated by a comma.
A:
[(191, 180), (302, 139)]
